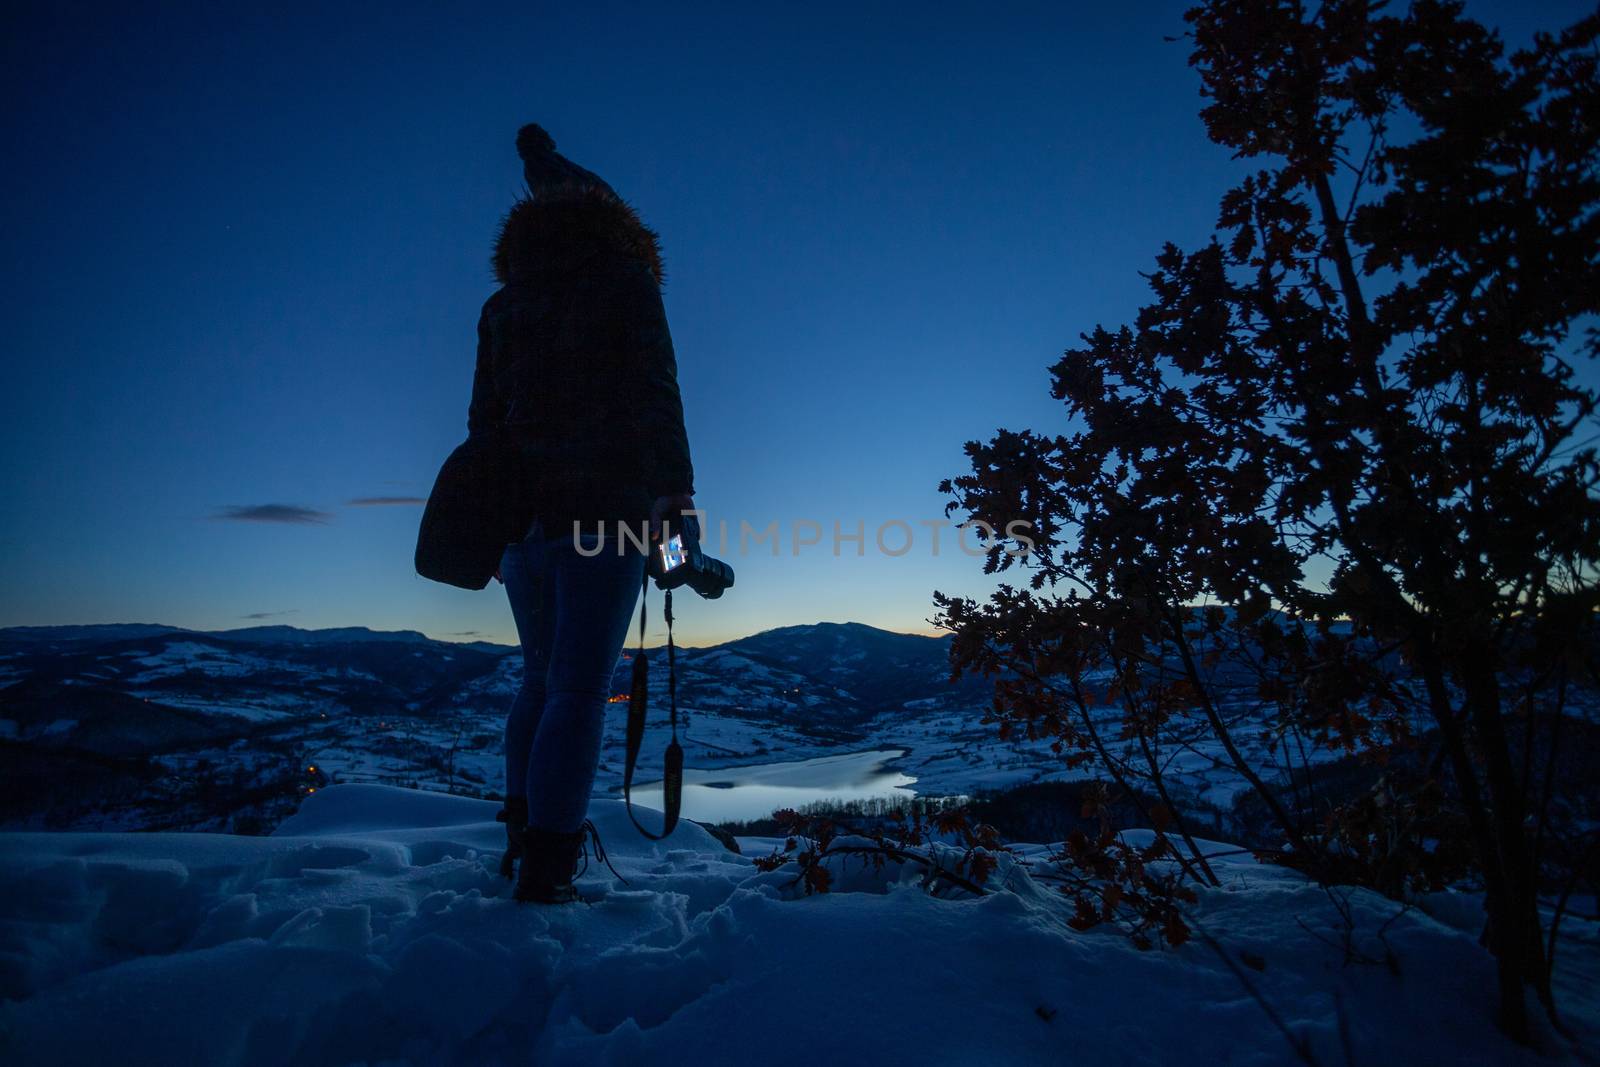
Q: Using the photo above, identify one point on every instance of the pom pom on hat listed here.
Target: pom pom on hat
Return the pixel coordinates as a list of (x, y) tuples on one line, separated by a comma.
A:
[(548, 172), (532, 140)]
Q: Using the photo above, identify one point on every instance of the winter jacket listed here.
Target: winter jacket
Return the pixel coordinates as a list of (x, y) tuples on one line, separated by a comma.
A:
[(575, 359)]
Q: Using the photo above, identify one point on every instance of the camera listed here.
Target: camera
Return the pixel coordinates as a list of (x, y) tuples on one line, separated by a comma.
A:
[(677, 560)]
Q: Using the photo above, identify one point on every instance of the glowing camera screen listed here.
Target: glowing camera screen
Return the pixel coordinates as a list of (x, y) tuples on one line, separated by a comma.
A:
[(673, 554)]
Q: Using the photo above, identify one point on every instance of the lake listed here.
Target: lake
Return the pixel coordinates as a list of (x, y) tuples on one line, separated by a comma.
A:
[(740, 794)]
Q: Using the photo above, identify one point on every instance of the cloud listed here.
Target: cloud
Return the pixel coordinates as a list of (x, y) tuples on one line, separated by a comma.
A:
[(464, 633), (384, 501), (290, 513), (270, 614)]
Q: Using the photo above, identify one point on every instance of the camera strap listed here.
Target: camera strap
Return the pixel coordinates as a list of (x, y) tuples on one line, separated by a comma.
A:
[(638, 699)]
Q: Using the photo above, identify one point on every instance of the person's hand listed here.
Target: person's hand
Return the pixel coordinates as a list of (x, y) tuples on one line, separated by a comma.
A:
[(668, 507)]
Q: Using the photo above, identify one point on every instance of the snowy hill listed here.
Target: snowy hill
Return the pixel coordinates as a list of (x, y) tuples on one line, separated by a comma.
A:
[(371, 929), (145, 727), (877, 668)]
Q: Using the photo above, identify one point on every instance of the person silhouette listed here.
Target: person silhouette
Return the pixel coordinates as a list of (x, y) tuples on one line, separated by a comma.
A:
[(576, 361)]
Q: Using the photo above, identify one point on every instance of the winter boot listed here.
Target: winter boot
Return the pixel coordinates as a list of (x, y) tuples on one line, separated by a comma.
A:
[(515, 816), (549, 863)]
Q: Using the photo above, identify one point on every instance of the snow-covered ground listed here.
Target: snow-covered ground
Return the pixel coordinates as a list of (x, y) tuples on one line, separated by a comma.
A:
[(371, 928)]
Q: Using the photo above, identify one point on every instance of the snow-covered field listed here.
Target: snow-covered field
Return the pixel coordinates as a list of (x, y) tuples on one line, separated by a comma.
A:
[(371, 928)]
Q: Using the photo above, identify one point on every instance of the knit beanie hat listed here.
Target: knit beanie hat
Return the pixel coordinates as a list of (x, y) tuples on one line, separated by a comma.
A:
[(548, 172)]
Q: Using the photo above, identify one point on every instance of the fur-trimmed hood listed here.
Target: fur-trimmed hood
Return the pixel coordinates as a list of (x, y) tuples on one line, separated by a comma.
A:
[(552, 231)]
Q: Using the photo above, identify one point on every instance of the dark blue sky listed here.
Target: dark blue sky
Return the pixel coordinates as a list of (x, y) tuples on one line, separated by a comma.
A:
[(244, 256)]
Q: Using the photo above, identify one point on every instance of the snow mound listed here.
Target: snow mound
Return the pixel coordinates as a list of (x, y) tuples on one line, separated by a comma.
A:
[(372, 928)]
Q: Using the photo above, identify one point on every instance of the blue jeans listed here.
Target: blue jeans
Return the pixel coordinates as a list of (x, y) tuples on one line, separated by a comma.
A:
[(572, 613)]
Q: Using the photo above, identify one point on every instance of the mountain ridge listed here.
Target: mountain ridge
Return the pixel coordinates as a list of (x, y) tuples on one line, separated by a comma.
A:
[(280, 633)]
